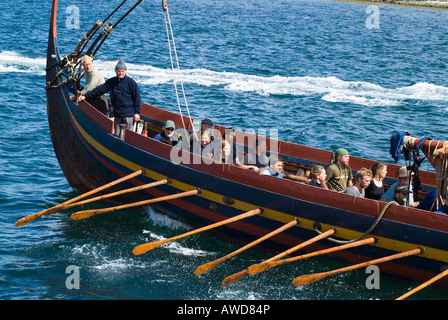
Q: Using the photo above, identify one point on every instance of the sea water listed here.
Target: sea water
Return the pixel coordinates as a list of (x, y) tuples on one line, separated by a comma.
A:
[(324, 74)]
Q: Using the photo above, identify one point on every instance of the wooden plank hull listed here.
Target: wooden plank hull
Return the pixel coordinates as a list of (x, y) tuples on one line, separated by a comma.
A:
[(91, 156)]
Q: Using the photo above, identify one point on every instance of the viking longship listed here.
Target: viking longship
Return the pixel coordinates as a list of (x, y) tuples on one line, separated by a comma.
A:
[(279, 214)]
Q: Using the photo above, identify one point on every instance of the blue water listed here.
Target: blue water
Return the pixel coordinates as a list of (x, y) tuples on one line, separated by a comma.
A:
[(313, 70)]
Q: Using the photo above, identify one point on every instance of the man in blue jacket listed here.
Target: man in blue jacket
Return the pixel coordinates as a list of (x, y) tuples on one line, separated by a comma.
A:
[(444, 209), (124, 95)]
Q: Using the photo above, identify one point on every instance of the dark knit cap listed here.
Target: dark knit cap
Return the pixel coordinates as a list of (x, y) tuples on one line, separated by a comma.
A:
[(207, 121), (402, 190), (121, 65)]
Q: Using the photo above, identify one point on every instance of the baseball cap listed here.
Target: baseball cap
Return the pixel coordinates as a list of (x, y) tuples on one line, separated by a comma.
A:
[(170, 124), (403, 172)]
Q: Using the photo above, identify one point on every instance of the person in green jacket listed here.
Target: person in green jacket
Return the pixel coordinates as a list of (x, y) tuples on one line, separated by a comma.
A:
[(339, 173)]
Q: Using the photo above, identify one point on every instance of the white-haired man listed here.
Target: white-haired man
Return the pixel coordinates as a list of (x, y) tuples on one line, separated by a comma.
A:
[(124, 95)]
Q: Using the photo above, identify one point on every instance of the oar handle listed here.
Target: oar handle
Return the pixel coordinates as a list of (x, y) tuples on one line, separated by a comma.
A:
[(34, 216)]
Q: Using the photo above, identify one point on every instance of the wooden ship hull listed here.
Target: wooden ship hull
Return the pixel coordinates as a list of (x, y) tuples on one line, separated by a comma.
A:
[(91, 156)]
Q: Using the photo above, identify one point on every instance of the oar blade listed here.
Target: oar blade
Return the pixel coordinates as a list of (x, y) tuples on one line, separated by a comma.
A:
[(36, 215), (63, 205), (26, 219), (84, 214), (233, 278), (205, 267), (260, 267), (308, 278), (145, 247)]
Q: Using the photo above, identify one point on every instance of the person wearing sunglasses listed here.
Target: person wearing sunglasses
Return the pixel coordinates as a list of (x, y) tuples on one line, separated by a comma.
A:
[(168, 135)]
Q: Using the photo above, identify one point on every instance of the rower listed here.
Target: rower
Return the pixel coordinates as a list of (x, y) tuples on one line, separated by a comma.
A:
[(401, 194), (339, 173), (363, 180), (168, 134), (444, 209), (275, 168)]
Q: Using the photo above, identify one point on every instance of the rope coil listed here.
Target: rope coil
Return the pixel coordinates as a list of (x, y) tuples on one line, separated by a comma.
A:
[(375, 223)]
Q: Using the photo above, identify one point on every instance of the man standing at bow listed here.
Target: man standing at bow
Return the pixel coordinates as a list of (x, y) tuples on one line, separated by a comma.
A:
[(124, 95)]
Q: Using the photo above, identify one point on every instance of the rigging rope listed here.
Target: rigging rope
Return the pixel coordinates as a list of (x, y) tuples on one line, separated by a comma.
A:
[(72, 60), (441, 175), (169, 29)]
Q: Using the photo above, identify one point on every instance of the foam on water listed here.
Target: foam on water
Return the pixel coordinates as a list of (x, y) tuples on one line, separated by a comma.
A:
[(329, 89), (14, 62), (175, 246), (163, 220), (159, 219)]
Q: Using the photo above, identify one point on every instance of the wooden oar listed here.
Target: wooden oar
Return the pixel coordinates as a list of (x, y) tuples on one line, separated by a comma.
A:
[(424, 285), (58, 207), (308, 278), (236, 276), (140, 249), (117, 193), (93, 212), (263, 266), (207, 266), (233, 278)]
